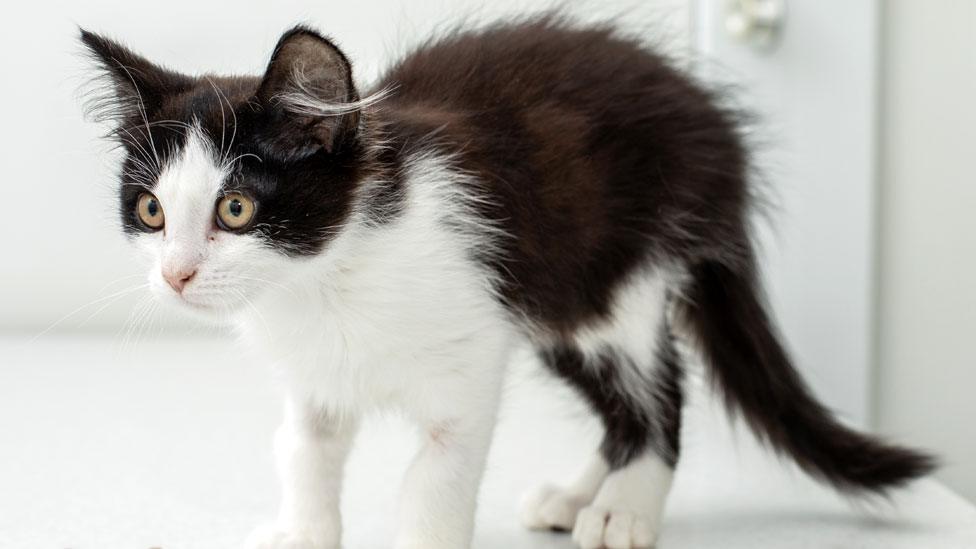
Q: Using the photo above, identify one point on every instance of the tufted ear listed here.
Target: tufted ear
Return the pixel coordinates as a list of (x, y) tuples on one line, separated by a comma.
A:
[(133, 86), (308, 96)]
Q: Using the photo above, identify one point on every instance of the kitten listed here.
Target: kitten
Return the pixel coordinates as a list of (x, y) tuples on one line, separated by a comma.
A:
[(530, 182)]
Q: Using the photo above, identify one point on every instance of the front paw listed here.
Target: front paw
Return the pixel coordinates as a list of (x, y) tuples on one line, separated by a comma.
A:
[(273, 536)]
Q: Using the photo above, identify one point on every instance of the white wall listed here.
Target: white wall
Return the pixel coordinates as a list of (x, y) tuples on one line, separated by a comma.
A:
[(815, 94), (60, 245), (927, 308)]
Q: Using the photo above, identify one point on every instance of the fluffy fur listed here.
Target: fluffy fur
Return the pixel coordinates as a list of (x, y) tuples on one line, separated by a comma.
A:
[(527, 183)]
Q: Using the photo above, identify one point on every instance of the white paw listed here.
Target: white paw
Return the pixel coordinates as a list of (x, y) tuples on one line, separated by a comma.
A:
[(551, 508), (598, 527), (273, 537)]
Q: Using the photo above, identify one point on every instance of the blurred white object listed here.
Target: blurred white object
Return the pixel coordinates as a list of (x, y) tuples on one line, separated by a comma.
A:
[(757, 22)]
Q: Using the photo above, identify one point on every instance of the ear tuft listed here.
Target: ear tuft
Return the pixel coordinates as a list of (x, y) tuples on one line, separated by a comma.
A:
[(309, 94), (128, 87)]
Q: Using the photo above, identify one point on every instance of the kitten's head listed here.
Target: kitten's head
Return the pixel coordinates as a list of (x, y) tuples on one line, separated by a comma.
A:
[(226, 181)]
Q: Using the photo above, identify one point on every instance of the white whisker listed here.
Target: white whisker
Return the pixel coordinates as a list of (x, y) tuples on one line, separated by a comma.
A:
[(223, 118), (113, 296), (142, 112)]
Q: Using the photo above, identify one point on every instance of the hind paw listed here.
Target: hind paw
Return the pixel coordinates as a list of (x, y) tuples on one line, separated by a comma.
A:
[(551, 508), (598, 527)]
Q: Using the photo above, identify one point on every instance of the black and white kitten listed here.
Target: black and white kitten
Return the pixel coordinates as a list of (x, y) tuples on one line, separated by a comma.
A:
[(528, 183)]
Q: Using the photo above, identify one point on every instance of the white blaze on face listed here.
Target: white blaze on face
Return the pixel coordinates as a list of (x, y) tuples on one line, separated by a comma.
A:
[(188, 188), (223, 265)]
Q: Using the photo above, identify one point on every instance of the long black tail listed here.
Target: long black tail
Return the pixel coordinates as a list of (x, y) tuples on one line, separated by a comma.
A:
[(750, 367)]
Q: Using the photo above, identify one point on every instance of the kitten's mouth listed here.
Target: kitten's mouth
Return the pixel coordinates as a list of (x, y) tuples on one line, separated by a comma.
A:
[(206, 301), (188, 302), (208, 307), (195, 305)]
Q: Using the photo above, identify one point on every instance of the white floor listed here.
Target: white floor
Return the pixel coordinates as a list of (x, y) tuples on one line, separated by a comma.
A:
[(167, 444)]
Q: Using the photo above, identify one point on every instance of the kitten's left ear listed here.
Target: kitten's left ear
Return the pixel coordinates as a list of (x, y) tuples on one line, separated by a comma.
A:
[(308, 96), (136, 86)]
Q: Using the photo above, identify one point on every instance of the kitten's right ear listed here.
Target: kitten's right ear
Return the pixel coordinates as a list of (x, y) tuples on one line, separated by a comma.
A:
[(133, 88)]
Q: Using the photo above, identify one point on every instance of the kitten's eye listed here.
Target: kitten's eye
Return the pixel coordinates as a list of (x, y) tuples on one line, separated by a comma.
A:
[(234, 211), (150, 211)]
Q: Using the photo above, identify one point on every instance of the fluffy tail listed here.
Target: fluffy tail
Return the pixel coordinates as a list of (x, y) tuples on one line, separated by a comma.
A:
[(750, 367)]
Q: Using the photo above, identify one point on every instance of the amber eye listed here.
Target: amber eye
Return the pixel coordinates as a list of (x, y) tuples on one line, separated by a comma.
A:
[(234, 211), (150, 211)]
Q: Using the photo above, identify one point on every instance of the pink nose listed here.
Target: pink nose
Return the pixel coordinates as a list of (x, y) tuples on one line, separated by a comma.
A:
[(179, 278)]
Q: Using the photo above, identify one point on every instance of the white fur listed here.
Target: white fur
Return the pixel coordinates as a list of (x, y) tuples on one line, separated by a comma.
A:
[(630, 333), (634, 320), (303, 99)]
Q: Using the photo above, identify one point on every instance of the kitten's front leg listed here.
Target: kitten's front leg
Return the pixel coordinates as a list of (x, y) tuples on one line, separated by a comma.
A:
[(310, 449), (440, 491)]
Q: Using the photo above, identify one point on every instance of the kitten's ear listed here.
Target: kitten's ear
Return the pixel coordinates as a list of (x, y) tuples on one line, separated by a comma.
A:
[(308, 96), (135, 87)]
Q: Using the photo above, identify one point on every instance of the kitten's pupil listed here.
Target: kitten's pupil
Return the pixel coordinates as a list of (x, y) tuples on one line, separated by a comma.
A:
[(152, 207), (236, 208)]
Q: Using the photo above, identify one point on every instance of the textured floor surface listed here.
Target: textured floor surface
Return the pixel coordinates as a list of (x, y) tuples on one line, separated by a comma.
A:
[(167, 444)]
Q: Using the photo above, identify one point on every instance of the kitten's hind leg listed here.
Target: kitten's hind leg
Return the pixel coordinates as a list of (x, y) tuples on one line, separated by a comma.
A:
[(639, 403)]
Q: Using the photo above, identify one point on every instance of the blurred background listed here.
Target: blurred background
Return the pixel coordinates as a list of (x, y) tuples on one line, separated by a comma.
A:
[(866, 138)]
